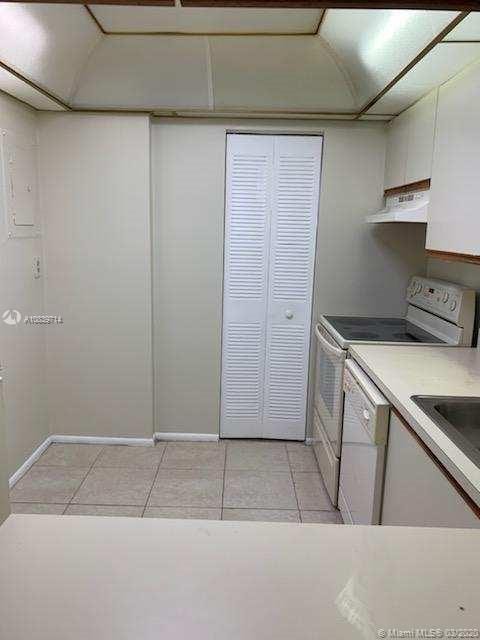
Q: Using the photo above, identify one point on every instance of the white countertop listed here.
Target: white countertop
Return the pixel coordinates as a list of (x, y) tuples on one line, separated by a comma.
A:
[(80, 578), (402, 372)]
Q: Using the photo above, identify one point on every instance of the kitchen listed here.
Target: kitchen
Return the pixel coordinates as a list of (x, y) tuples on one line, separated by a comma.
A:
[(191, 196)]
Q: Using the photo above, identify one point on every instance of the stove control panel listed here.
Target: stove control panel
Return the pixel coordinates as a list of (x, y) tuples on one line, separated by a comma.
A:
[(445, 299)]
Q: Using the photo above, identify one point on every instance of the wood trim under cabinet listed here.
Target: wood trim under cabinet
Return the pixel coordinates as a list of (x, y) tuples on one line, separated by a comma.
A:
[(454, 483), (420, 185), (451, 256)]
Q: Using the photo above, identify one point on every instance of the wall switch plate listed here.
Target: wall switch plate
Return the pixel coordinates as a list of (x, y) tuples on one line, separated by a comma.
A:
[(37, 272)]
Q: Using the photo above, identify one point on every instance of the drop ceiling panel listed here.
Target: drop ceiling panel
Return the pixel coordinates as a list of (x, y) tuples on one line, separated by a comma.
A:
[(21, 90), (203, 20), (374, 46), (438, 66), (47, 43), (146, 72), (468, 29), (281, 73)]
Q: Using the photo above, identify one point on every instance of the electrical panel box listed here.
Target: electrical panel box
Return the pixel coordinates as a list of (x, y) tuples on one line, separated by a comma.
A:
[(19, 186)]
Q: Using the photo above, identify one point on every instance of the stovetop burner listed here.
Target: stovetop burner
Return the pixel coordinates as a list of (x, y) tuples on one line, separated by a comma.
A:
[(366, 329)]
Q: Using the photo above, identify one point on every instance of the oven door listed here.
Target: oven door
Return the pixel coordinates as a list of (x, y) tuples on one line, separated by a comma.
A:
[(329, 367)]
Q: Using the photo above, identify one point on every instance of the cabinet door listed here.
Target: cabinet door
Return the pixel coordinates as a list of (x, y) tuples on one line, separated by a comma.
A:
[(396, 158), (421, 135), (454, 220), (416, 492)]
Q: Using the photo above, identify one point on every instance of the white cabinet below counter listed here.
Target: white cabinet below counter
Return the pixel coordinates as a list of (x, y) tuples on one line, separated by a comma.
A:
[(417, 490)]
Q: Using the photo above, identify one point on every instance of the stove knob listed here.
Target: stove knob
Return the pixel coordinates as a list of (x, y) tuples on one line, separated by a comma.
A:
[(418, 288), (445, 297), (453, 305)]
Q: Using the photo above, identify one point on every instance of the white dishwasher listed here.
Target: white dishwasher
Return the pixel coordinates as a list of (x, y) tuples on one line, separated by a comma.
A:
[(365, 432)]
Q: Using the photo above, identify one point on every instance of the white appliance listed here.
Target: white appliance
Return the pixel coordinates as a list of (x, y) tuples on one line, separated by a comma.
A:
[(365, 431), (439, 313), (405, 207), (272, 194)]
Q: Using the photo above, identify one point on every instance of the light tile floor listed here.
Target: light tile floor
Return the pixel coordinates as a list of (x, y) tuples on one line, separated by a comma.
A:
[(229, 480)]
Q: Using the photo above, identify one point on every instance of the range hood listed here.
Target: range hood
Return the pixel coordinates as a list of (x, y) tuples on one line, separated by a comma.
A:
[(405, 207)]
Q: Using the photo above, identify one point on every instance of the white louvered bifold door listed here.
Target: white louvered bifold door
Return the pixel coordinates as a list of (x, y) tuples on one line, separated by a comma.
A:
[(272, 188), (291, 265), (247, 218)]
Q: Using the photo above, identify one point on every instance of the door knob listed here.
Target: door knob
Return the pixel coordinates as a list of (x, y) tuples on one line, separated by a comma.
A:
[(289, 314)]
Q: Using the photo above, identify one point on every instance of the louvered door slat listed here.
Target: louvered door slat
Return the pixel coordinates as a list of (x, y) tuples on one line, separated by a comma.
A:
[(248, 205), (292, 255)]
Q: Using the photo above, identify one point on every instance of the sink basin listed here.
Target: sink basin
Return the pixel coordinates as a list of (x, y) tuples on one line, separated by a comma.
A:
[(458, 418)]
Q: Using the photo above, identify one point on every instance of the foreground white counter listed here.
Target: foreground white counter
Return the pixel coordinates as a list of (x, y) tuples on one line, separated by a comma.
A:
[(90, 578)]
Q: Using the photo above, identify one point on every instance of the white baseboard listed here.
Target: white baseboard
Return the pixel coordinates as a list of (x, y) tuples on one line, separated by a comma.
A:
[(145, 442), (30, 461), (21, 471), (186, 437)]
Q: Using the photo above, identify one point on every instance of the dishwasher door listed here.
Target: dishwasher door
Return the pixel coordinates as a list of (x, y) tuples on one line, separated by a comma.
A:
[(365, 429)]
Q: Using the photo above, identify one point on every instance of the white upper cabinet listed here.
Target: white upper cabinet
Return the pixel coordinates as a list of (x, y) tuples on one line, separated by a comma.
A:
[(410, 144), (454, 220), (396, 159), (421, 134)]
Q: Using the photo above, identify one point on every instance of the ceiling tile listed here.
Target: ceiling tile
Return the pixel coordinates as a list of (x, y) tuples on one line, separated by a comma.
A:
[(438, 66), (374, 46), (23, 91), (146, 72), (281, 73), (468, 29), (48, 43), (203, 20)]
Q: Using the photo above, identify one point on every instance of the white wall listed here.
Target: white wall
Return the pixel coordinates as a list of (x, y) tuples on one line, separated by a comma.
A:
[(360, 269), (22, 347), (95, 196)]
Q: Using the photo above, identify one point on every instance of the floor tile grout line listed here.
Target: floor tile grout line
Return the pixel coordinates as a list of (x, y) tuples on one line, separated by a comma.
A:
[(295, 490), (154, 480), (83, 481)]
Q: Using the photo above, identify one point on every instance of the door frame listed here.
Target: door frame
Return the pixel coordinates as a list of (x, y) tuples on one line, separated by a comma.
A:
[(274, 131)]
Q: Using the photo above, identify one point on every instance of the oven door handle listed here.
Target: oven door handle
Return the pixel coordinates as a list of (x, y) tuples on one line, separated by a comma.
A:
[(327, 346)]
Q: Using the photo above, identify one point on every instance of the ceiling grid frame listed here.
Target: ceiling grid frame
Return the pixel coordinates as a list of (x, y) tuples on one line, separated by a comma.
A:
[(239, 111)]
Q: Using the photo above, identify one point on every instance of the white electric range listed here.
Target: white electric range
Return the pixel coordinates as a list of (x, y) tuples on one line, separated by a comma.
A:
[(439, 313)]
